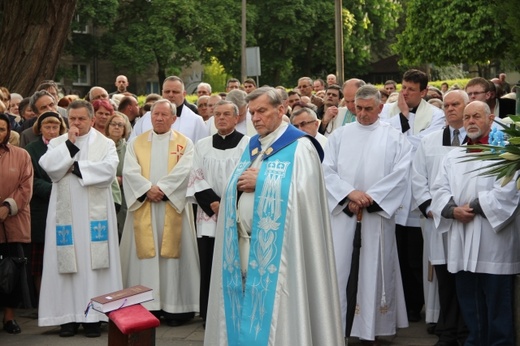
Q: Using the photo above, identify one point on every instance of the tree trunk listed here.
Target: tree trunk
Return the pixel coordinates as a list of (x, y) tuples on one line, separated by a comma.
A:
[(33, 36)]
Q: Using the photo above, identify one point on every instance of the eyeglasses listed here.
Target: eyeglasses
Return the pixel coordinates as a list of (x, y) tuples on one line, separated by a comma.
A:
[(304, 123), (117, 125), (476, 93)]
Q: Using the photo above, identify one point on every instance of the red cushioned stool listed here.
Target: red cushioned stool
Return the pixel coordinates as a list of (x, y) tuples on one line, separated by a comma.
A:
[(132, 326)]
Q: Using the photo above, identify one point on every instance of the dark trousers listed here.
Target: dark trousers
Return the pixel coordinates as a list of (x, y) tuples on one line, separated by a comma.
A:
[(450, 327), (206, 245), (409, 242), (486, 302)]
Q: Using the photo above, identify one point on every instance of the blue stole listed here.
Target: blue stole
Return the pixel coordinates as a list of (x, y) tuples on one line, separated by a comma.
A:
[(249, 301)]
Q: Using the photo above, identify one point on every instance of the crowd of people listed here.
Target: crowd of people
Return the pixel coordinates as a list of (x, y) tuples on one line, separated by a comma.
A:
[(244, 208)]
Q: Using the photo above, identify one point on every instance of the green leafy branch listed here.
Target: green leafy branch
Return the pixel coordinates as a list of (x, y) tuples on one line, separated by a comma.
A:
[(506, 159)]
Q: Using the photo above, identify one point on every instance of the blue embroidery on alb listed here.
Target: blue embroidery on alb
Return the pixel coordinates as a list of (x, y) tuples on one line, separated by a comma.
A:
[(99, 230), (249, 304), (64, 235)]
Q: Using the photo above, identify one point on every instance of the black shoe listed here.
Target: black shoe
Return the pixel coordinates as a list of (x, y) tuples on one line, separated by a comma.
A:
[(92, 330), (430, 328), (414, 316), (68, 329), (157, 313), (12, 327), (175, 322)]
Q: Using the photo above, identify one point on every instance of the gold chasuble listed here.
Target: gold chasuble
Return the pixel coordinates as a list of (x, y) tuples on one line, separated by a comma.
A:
[(171, 241)]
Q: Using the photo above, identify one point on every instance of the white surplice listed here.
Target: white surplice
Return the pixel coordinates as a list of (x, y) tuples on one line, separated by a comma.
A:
[(321, 139), (211, 170), (426, 120), (188, 123), (64, 297), (306, 306), (175, 281), (486, 244), (425, 167), (374, 159)]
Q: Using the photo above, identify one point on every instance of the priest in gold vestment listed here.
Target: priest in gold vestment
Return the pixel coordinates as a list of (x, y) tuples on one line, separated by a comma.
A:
[(158, 247)]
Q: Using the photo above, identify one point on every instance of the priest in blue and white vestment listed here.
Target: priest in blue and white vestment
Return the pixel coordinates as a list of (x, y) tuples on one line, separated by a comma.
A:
[(273, 279)]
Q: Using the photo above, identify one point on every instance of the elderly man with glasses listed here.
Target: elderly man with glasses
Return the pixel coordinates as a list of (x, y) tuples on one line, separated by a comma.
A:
[(306, 120)]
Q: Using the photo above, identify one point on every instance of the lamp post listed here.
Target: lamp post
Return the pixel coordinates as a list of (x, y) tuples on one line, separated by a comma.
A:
[(243, 69), (340, 73)]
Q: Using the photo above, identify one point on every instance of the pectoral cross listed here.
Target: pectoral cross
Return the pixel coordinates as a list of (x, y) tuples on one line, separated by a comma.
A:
[(179, 151)]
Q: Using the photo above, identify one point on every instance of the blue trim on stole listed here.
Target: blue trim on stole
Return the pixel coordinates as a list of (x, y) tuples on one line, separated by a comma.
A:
[(249, 308), (99, 230), (64, 235), (289, 136)]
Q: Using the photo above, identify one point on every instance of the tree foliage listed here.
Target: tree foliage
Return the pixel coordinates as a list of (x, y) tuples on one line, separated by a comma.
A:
[(93, 14), (510, 10), (33, 35), (169, 33), (297, 38), (448, 32)]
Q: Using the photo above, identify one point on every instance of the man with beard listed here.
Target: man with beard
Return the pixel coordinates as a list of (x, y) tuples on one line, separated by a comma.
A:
[(479, 215)]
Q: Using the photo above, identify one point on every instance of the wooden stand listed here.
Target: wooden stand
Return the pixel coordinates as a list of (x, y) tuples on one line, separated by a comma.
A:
[(132, 326)]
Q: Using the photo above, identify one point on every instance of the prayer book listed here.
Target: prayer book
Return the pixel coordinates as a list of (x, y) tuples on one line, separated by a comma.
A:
[(122, 298)]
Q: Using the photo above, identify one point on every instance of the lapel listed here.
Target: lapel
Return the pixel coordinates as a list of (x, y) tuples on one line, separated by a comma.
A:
[(446, 138)]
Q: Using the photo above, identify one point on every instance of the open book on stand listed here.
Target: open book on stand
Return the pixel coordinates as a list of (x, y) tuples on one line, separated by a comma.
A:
[(123, 298)]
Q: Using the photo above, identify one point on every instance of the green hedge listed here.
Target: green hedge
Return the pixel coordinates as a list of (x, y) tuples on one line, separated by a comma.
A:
[(460, 82)]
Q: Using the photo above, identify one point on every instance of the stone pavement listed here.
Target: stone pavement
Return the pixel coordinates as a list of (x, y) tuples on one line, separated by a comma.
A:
[(191, 334)]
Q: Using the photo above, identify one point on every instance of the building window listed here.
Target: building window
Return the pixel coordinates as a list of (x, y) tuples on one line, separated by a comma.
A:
[(82, 74), (78, 27), (152, 87)]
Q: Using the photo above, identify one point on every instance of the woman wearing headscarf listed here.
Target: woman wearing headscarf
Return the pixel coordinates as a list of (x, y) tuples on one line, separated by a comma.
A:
[(48, 126)]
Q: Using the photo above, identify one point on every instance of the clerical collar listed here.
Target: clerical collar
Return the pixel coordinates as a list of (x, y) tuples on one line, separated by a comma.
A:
[(227, 142), (370, 127), (414, 110), (224, 136), (168, 134)]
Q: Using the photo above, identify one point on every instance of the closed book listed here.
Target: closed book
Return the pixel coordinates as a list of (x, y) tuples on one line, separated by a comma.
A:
[(122, 298)]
